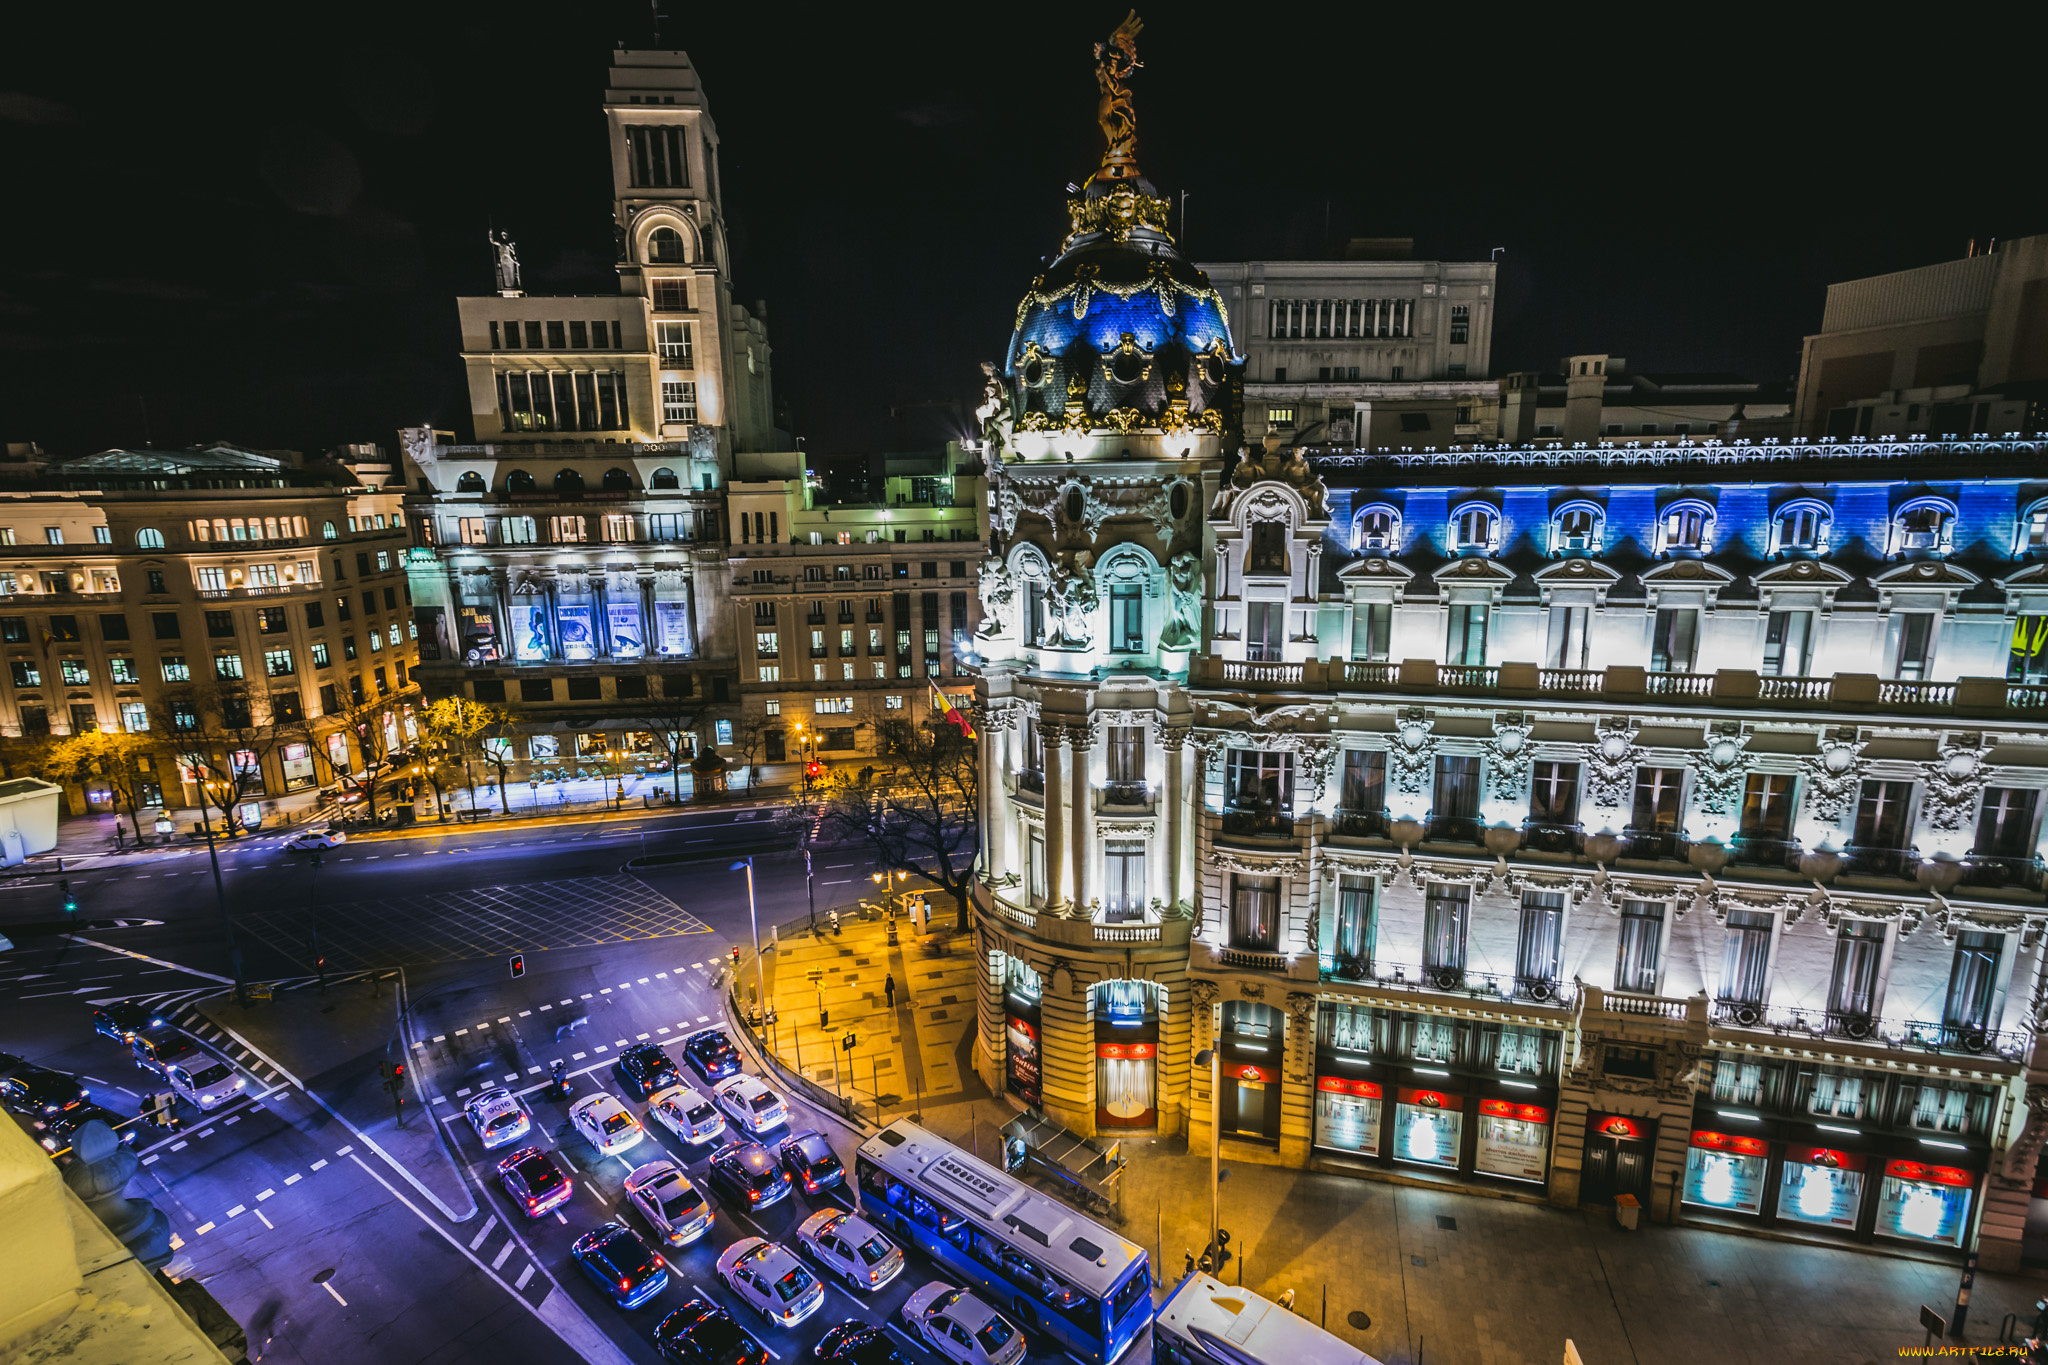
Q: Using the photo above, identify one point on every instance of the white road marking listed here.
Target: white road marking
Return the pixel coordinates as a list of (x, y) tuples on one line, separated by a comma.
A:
[(440, 1037), (328, 1285), (641, 1036), (578, 1056), (343, 1151), (318, 1164), (524, 1013), (524, 1276), (293, 1179), (504, 1018), (547, 1007), (266, 1222), (484, 1232), (559, 1218), (150, 1160), (602, 990), (264, 1195), (661, 1029), (459, 1032), (202, 1229), (238, 1210), (505, 1253)]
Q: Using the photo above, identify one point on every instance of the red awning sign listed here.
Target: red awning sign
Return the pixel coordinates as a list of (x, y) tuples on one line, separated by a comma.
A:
[(1508, 1109), (1339, 1085), (1119, 1052), (1616, 1125), (1931, 1175), (1431, 1099), (1826, 1157), (1728, 1142)]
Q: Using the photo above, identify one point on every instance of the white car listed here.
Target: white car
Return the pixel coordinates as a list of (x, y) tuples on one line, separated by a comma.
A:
[(851, 1247), (686, 1113), (749, 1104), (206, 1081), (672, 1206), (305, 841), (773, 1282), (608, 1124), (961, 1327), (498, 1117)]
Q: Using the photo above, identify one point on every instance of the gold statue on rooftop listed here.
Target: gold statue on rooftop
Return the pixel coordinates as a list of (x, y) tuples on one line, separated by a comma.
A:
[(1115, 60)]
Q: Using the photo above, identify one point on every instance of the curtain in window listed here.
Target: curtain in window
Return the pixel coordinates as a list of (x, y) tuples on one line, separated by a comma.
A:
[(1435, 1040), (1822, 1100), (1443, 926), (1255, 913), (1123, 892), (1642, 932), (1744, 956), (1521, 1050), (1973, 980), (1853, 992), (1354, 920), (1953, 1104), (1365, 782), (1927, 1106), (1536, 952), (1849, 1097)]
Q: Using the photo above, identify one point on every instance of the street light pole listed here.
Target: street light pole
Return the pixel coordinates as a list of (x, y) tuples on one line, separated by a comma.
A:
[(1209, 1057), (754, 925), (220, 896)]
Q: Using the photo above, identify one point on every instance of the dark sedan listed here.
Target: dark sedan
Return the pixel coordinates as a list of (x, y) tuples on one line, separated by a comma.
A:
[(857, 1343), (711, 1054), (810, 1159), (644, 1068), (621, 1264), (744, 1173), (38, 1090), (702, 1333), (58, 1131), (123, 1019), (534, 1181)]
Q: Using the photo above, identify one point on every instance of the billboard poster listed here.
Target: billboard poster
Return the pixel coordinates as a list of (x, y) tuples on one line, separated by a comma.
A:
[(1023, 1061), (627, 640), (429, 628), (479, 627), (1514, 1139), (672, 627), (578, 639), (544, 747), (531, 633)]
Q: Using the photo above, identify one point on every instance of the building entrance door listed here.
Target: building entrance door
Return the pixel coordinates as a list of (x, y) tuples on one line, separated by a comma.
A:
[(1617, 1161)]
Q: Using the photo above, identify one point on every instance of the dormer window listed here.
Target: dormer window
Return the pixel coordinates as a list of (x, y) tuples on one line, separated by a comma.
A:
[(1475, 529), (1267, 552), (1575, 530), (1924, 527), (1803, 526), (1376, 530), (1688, 527)]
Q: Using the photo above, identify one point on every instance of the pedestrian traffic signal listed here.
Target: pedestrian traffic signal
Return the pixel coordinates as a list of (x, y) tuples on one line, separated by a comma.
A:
[(518, 965), (70, 899), (735, 954)]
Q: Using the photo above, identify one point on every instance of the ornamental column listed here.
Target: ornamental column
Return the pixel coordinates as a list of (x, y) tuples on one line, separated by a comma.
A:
[(553, 598), (1052, 738), (601, 623), (1086, 889), (1174, 739)]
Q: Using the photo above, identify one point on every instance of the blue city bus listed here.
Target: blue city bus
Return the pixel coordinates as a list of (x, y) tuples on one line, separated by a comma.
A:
[(1034, 1259), (1207, 1322)]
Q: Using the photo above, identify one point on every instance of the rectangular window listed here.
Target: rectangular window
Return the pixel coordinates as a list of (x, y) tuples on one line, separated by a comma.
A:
[(1265, 632), (1788, 644), (1126, 755), (348, 647), (1540, 942), (1673, 638), (277, 663), (272, 621), (1123, 889), (1745, 957), (1461, 324), (1641, 950), (213, 580), (1973, 980), (65, 628), (1884, 812), (767, 644), (134, 717), (263, 575), (342, 609), (319, 654), (227, 665), (892, 702), (74, 673), (1035, 864), (656, 157), (563, 530), (175, 669), (1364, 793), (1352, 943), (122, 669), (675, 343), (671, 294), (1466, 643), (2005, 823), (1767, 807), (1446, 909), (1852, 993), (678, 400), (1567, 644), (1254, 913), (26, 674), (1372, 631), (85, 718), (2028, 659), (1260, 782), (113, 627), (1457, 788), (1126, 617), (1657, 804), (164, 625), (769, 672), (1912, 644), (1267, 552), (1554, 793)]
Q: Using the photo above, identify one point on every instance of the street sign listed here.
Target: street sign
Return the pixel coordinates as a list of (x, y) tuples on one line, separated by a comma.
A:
[(1933, 1322)]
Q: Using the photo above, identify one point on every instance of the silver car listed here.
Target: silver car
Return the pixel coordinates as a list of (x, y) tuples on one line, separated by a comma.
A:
[(752, 1106), (206, 1081), (772, 1281), (672, 1206), (498, 1117), (687, 1114), (851, 1247), (962, 1328)]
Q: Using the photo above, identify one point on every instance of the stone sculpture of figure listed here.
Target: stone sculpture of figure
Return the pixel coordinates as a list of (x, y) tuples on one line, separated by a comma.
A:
[(988, 413), (1115, 60), (998, 596), (508, 262), (1184, 579), (1073, 600)]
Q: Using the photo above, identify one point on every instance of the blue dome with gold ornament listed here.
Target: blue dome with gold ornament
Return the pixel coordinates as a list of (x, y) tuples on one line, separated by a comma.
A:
[(1121, 332)]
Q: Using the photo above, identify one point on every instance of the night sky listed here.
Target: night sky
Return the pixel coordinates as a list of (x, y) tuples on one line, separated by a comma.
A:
[(255, 232)]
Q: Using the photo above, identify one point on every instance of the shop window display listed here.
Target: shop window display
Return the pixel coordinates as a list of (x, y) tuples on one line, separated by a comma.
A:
[(1348, 1115), (1922, 1203), (1821, 1186), (1514, 1140), (1428, 1127), (1726, 1172)]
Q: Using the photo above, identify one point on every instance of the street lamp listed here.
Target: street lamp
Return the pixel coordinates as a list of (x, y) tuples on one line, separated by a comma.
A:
[(753, 924), (1208, 1057)]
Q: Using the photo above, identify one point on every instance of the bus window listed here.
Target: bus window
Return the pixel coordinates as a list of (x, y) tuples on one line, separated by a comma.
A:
[(1078, 1308), (876, 1181), (1129, 1292)]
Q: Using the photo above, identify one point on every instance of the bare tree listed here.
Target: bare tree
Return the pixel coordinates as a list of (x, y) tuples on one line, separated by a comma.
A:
[(106, 756), (224, 733), (921, 818), (671, 711)]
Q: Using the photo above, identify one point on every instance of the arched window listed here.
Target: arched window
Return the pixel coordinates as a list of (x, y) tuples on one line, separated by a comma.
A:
[(472, 482), (2033, 530), (1576, 528), (665, 245), (1686, 526), (1376, 530), (569, 484), (1802, 526), (1475, 529), (519, 481), (149, 538), (327, 531), (1924, 526), (617, 481), (665, 478)]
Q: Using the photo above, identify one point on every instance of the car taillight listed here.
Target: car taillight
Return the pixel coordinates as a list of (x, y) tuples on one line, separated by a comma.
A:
[(533, 1203)]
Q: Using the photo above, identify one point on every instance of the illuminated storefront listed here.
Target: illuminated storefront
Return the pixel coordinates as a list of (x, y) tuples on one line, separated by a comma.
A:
[(1348, 1115), (1429, 1127), (1926, 1204), (1126, 1054), (1821, 1186), (1021, 991), (1726, 1171), (1254, 1040), (1514, 1140)]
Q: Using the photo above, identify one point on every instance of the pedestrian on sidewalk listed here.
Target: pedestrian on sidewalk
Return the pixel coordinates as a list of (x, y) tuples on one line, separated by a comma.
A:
[(889, 990)]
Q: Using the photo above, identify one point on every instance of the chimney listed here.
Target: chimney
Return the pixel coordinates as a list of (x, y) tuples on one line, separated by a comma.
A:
[(1518, 408), (1585, 378)]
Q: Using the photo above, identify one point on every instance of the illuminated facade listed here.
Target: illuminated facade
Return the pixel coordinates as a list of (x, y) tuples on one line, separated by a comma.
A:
[(671, 357), (1658, 818), (134, 576)]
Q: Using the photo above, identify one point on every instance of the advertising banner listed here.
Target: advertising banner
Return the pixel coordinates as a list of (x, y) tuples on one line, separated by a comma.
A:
[(627, 640), (479, 626), (532, 634), (672, 627), (1724, 1178), (574, 622), (430, 628), (1023, 1061), (1514, 1139), (1427, 1127)]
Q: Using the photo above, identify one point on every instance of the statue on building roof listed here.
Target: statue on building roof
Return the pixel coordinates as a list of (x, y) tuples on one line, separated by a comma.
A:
[(508, 262), (1115, 60)]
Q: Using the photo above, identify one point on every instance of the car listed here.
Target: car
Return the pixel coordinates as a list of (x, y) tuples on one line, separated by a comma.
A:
[(622, 1265), (850, 1247), (499, 1118), (158, 1048), (644, 1068), (771, 1280), (311, 840), (961, 1327), (39, 1090), (750, 1105), (123, 1019), (854, 1342), (11, 1062), (609, 1125), (810, 1161), (57, 1131), (687, 1114), (672, 1206), (534, 1181), (744, 1173), (205, 1080), (711, 1054), (702, 1333)]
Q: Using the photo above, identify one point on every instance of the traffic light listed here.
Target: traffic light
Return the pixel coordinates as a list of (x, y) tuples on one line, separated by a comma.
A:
[(814, 769), (518, 965), (735, 954), (70, 897), (398, 1071)]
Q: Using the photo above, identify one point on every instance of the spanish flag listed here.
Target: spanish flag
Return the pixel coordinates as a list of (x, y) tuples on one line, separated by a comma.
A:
[(944, 707)]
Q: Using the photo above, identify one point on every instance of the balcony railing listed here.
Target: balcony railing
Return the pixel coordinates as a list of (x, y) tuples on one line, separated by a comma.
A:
[(1570, 679), (1032, 781), (1468, 676), (1358, 824), (1126, 794), (1253, 959), (1546, 837), (1678, 684), (1759, 852), (1926, 1035), (1928, 694), (1456, 829), (1879, 862), (1412, 976), (1666, 844), (1990, 870), (1257, 673), (1793, 689), (1363, 673), (1261, 823)]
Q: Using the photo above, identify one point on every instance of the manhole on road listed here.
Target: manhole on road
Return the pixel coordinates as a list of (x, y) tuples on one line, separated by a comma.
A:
[(1358, 1320)]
